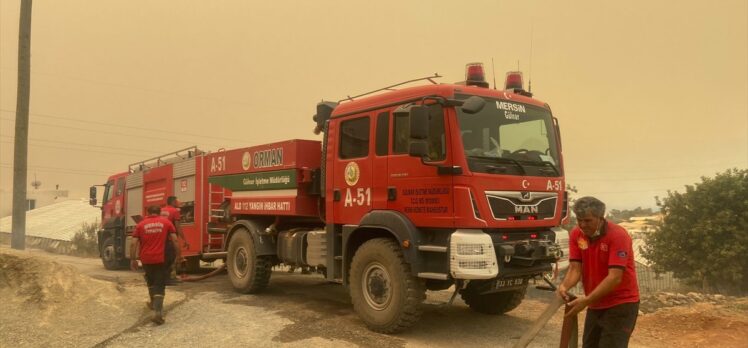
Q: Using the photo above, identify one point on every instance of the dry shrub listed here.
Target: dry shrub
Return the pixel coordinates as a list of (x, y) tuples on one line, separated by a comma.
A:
[(85, 241)]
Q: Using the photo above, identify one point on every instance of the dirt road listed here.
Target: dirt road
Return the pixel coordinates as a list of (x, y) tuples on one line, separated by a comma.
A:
[(295, 311)]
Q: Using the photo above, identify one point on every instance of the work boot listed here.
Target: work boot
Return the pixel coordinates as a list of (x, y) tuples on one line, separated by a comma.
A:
[(149, 304), (158, 309)]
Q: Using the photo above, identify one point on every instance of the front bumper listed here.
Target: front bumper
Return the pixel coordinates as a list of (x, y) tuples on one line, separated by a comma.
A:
[(474, 254)]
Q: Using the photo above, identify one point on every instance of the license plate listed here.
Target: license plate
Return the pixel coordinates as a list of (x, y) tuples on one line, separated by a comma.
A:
[(509, 283)]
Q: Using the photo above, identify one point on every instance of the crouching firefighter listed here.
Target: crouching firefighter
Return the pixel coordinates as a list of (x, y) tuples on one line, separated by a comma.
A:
[(149, 242)]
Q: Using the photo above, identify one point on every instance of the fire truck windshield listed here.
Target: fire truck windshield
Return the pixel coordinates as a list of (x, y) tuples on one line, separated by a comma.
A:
[(509, 138)]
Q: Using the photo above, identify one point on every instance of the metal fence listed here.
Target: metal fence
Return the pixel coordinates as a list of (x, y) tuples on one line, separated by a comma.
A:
[(51, 245), (651, 282)]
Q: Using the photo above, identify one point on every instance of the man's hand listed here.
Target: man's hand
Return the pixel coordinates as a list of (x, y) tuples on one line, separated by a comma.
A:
[(577, 306), (134, 265), (562, 292), (186, 245)]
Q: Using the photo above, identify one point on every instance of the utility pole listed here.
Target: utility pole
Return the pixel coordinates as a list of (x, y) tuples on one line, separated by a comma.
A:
[(21, 146)]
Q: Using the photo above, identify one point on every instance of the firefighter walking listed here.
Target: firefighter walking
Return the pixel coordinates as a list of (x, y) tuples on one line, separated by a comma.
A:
[(171, 212), (149, 241)]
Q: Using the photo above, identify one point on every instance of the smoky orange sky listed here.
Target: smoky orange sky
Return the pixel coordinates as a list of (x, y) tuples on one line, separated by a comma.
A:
[(650, 95)]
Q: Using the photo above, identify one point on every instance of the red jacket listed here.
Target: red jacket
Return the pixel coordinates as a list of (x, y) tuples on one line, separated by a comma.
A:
[(153, 233)]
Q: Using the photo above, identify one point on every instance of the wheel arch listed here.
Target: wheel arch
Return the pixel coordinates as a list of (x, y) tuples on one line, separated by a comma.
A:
[(381, 224), (264, 244)]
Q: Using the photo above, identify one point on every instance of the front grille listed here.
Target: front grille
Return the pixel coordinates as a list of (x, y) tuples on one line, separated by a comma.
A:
[(474, 264), (519, 204), (470, 249)]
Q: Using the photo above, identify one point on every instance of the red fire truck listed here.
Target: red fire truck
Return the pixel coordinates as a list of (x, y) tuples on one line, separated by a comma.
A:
[(410, 189)]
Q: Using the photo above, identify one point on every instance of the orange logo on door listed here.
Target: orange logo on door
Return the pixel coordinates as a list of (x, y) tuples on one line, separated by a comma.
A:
[(352, 173)]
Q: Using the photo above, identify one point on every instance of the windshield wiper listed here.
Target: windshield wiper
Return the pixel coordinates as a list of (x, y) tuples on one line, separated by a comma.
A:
[(505, 160), (549, 164)]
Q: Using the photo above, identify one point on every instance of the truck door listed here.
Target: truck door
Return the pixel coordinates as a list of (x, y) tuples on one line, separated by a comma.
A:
[(352, 170), (113, 201), (415, 187)]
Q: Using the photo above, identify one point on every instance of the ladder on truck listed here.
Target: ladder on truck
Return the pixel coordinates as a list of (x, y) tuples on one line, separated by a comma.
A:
[(171, 157), (216, 226)]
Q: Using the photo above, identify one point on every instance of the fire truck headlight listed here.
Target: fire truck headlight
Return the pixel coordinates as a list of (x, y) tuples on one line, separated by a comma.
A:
[(472, 255)]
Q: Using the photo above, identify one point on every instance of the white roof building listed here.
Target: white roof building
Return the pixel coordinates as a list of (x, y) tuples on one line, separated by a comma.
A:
[(59, 221)]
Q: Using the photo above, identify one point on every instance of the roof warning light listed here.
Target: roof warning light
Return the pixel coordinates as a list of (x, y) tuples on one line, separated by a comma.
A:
[(475, 75), (514, 80), (514, 83)]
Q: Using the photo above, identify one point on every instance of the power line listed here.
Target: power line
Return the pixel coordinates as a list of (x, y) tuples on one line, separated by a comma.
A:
[(125, 126), (695, 166), (75, 149), (108, 132), (71, 170), (631, 191), (192, 96), (88, 145), (59, 172), (576, 180)]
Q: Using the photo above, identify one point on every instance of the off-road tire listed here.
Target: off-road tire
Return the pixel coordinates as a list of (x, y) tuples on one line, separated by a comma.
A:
[(248, 272), (493, 303), (403, 292), (109, 256)]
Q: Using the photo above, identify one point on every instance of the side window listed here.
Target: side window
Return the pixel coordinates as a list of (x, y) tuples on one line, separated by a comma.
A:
[(383, 130), (107, 191), (120, 186), (400, 134), (437, 138), (354, 138)]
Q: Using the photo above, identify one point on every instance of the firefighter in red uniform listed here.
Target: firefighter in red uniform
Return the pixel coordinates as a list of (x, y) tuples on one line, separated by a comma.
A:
[(171, 212), (600, 253), (149, 240)]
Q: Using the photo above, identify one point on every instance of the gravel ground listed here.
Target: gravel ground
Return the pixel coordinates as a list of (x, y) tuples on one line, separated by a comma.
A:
[(295, 311), (49, 303)]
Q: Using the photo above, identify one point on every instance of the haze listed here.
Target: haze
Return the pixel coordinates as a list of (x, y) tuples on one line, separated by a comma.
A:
[(650, 95)]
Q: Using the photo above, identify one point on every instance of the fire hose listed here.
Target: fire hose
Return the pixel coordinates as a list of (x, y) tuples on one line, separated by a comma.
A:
[(185, 278), (569, 328)]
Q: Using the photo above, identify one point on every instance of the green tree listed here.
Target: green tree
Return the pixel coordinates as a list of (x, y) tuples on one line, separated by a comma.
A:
[(703, 237)]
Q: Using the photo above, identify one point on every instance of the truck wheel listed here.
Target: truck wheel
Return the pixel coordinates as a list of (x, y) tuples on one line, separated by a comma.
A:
[(384, 293), (109, 256), (493, 303), (248, 272)]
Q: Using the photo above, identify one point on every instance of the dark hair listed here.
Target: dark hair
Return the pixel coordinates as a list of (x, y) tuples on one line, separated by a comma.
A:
[(154, 210), (171, 199), (589, 205)]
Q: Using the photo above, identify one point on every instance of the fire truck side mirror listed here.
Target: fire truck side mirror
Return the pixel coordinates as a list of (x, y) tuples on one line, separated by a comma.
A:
[(419, 122), (92, 195), (558, 132), (473, 105), (418, 148), (324, 111)]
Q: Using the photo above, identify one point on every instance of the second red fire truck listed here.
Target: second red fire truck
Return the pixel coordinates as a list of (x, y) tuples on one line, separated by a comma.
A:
[(409, 190)]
